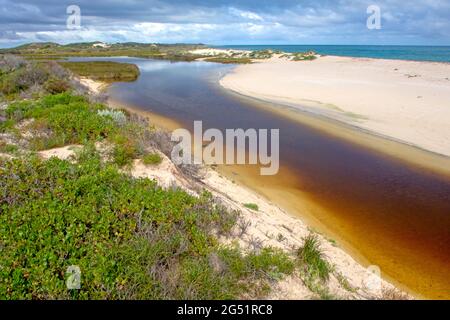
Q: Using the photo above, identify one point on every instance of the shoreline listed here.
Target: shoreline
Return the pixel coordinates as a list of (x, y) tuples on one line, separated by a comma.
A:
[(389, 98), (407, 153), (310, 48), (346, 260)]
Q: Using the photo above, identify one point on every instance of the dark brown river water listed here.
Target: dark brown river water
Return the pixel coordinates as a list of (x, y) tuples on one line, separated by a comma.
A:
[(383, 211)]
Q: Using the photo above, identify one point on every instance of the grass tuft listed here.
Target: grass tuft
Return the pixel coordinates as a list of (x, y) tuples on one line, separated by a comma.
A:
[(251, 206), (152, 159), (312, 258)]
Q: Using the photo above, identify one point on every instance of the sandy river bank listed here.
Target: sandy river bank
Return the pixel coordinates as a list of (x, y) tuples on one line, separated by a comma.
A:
[(406, 101)]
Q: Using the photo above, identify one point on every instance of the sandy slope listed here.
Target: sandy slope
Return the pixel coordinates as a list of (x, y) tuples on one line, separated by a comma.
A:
[(404, 100), (94, 86)]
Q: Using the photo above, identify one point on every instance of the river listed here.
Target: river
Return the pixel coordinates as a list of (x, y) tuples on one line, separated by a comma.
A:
[(381, 210)]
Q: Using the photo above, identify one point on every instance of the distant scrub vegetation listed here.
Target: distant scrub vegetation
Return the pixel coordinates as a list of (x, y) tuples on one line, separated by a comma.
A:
[(31, 79), (46, 51), (229, 60), (104, 70)]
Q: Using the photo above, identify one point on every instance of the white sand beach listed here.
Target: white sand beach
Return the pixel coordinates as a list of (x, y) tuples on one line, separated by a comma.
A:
[(404, 100)]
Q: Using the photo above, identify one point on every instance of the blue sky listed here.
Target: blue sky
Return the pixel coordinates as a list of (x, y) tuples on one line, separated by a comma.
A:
[(416, 22)]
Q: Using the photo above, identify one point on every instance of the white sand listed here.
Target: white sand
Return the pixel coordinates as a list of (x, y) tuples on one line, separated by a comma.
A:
[(94, 86), (63, 153), (404, 100)]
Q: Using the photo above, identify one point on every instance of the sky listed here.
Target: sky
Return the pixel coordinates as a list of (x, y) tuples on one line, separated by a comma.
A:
[(226, 22)]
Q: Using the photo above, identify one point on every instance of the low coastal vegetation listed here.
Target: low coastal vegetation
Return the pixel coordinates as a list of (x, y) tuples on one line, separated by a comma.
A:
[(300, 56), (130, 238), (24, 79), (44, 52), (262, 54), (103, 70), (229, 60), (251, 206), (50, 50), (152, 159), (315, 270)]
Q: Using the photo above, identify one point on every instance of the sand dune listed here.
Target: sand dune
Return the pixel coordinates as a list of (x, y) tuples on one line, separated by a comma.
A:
[(404, 100)]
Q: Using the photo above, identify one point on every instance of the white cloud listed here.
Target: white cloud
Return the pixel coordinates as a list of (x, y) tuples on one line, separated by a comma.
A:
[(245, 14), (227, 21)]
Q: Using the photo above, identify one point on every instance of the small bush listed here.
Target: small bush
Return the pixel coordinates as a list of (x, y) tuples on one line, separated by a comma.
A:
[(312, 258), (393, 294), (55, 86), (152, 159), (117, 116), (7, 125), (9, 63), (304, 56), (124, 150), (252, 206), (8, 148), (65, 119)]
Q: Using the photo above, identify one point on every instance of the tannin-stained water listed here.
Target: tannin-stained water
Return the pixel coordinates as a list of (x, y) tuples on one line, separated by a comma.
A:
[(385, 212)]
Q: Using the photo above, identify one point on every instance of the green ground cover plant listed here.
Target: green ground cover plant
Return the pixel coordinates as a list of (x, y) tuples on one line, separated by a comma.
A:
[(130, 238)]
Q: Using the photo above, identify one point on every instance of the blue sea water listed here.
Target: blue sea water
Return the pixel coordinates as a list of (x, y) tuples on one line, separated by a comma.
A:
[(418, 53)]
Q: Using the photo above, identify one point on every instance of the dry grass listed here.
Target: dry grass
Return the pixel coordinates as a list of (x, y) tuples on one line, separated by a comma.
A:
[(393, 294)]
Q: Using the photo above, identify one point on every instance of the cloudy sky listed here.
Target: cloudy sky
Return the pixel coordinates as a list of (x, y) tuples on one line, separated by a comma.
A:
[(415, 22)]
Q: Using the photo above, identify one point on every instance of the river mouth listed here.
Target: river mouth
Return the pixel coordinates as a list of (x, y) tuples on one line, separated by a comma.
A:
[(383, 211)]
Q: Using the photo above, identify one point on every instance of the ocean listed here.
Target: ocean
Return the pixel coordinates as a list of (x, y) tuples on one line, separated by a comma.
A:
[(418, 53)]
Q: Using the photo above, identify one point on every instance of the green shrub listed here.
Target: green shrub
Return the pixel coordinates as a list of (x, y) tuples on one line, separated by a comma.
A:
[(312, 258), (304, 56), (54, 86), (35, 109), (64, 118), (152, 159), (229, 60), (251, 206), (130, 238), (118, 116), (8, 148), (124, 150), (7, 125), (22, 78), (50, 101), (76, 123), (19, 110)]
